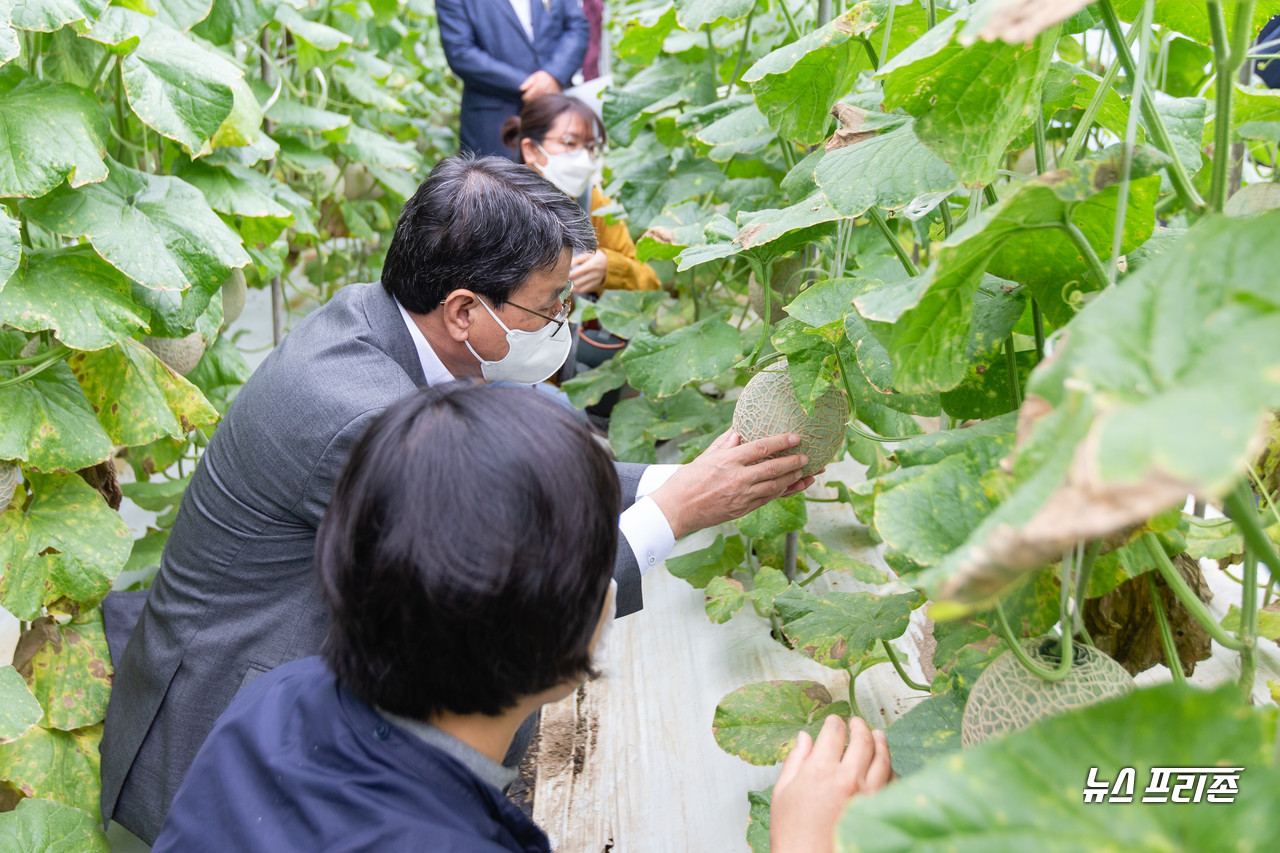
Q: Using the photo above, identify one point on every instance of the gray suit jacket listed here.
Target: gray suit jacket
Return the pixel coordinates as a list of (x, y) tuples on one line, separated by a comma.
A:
[(235, 595)]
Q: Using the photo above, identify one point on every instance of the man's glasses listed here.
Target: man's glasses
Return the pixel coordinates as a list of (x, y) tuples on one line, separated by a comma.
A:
[(562, 316)]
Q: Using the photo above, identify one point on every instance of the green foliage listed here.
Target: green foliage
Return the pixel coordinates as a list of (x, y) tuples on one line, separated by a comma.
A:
[(137, 170), (1026, 788), (759, 723)]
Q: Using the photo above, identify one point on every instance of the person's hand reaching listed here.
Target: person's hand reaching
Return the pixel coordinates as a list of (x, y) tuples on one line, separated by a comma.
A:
[(587, 272), (818, 780), (730, 479)]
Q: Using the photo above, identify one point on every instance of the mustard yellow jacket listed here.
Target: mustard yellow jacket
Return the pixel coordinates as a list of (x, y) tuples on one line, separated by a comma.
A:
[(624, 271)]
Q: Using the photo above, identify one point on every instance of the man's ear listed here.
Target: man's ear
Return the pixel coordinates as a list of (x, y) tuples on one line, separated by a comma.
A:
[(459, 313)]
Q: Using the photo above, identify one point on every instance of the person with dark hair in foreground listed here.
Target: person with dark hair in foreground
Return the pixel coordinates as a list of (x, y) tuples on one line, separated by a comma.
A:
[(468, 583), (474, 286)]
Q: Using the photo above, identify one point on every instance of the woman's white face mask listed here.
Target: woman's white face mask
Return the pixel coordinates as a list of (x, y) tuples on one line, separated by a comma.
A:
[(571, 171), (531, 356)]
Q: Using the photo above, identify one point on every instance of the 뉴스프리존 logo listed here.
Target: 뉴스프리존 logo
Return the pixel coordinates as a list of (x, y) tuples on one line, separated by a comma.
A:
[(1167, 785)]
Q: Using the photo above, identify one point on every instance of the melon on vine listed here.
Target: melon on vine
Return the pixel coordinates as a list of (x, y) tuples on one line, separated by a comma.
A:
[(181, 355), (1008, 696), (234, 292), (768, 406)]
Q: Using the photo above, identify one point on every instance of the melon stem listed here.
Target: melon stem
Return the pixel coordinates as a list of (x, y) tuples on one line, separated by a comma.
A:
[(1172, 660), (1187, 596), (1011, 640)]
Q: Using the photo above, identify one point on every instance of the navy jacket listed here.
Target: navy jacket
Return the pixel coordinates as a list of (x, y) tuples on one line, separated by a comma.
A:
[(490, 52), (298, 763)]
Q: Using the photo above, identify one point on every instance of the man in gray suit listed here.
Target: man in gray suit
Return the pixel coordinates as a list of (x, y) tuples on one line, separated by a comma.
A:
[(473, 286)]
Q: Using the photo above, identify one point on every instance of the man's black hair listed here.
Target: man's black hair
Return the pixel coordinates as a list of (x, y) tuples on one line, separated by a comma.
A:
[(484, 224), (466, 551)]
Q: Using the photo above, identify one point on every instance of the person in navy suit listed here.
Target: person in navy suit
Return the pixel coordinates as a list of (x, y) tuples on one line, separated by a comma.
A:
[(465, 560), (507, 52)]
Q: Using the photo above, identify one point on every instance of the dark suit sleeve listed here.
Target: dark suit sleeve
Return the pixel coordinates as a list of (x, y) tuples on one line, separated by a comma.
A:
[(566, 59), (474, 66), (324, 476), (626, 569)]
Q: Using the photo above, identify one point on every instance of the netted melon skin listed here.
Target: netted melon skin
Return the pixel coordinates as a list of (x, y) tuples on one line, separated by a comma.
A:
[(768, 406), (1007, 697), (181, 355)]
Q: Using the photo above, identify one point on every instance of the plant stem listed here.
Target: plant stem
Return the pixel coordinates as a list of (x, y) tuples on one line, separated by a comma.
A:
[(1240, 506), (853, 699), (885, 44), (948, 224), (1011, 640), (1041, 144), (848, 389), (1248, 632), (43, 363), (931, 13), (789, 555), (821, 570), (1011, 372), (1091, 112), (1226, 63), (1086, 250), (1136, 101), (1166, 633), (1082, 584), (877, 217), (744, 49), (902, 673), (791, 22), (872, 56), (1155, 123), (1186, 595)]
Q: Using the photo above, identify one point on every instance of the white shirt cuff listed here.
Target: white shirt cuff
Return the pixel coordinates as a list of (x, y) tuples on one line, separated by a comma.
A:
[(653, 478), (647, 532)]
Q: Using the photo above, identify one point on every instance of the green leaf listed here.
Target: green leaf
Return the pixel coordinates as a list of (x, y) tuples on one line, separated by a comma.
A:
[(241, 191), (759, 805), (718, 559), (1026, 791), (743, 131), (636, 423), (47, 424), (984, 391), (626, 312), (775, 518), (317, 35), (888, 170), (1192, 19), (1184, 120), (661, 366), (155, 229), (1213, 538), (1268, 622), (969, 96), (90, 543), (724, 598), (694, 14), (825, 302), (137, 398), (83, 299), (182, 14), (45, 16), (820, 553), (70, 672), (931, 315), (47, 826), (666, 83), (643, 35), (795, 85), (800, 224), (178, 88), (290, 115), (362, 145), (769, 584), (51, 132), (589, 388), (19, 710), (931, 728), (760, 722), (10, 246), (839, 629), (53, 764)]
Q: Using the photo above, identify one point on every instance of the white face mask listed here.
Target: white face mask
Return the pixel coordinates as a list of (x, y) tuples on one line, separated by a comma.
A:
[(571, 171), (531, 356)]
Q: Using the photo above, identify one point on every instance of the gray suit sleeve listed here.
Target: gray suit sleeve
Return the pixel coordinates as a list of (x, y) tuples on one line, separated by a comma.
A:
[(626, 570), (324, 476)]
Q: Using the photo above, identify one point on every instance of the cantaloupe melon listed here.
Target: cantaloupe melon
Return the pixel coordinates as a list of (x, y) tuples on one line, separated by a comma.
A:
[(768, 406), (181, 355), (1008, 696)]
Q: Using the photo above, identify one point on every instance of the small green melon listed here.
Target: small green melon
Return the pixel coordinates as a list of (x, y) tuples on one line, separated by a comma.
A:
[(181, 355), (768, 406), (1008, 696), (234, 292)]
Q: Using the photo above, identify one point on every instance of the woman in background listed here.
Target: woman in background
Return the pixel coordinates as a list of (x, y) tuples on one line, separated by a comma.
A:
[(563, 139)]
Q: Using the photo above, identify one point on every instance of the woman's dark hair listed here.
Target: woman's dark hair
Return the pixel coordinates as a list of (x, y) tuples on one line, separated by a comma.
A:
[(535, 120), (483, 223), (466, 551)]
